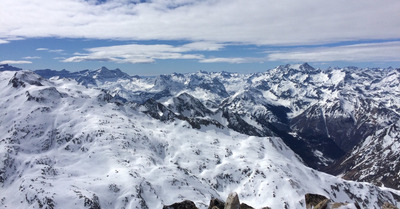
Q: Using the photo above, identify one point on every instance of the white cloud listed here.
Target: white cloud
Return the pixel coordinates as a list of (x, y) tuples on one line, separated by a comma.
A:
[(15, 62), (50, 50), (265, 22), (59, 58), (139, 53), (56, 50), (31, 57), (372, 52), (3, 41), (202, 46), (233, 60)]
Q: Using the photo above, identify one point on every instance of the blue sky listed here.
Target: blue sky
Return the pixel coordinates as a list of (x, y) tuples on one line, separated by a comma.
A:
[(165, 36)]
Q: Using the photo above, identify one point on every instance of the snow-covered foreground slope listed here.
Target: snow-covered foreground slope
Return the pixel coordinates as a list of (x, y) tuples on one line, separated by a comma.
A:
[(64, 145)]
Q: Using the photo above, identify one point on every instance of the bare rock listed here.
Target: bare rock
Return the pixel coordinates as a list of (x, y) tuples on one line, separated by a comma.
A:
[(187, 204), (313, 200), (232, 202), (245, 206), (216, 204), (338, 205), (323, 204), (387, 205)]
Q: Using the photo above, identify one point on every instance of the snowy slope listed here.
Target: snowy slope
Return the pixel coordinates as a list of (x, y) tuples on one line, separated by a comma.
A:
[(321, 114), (67, 146)]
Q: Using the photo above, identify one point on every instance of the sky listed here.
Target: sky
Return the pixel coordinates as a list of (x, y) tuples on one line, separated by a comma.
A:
[(154, 37)]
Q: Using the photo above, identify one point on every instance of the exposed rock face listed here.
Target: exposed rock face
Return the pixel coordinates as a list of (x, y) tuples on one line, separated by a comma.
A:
[(323, 204), (232, 202), (92, 203), (216, 203), (188, 106), (245, 206), (314, 199), (187, 204), (387, 205), (336, 205)]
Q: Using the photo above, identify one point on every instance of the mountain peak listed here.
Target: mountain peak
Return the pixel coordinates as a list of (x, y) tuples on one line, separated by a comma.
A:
[(103, 69), (306, 66), (105, 73), (7, 67)]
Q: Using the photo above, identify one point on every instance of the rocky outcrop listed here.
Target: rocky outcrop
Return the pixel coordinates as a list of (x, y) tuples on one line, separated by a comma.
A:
[(313, 200), (233, 201), (216, 204), (387, 205), (316, 201), (245, 206), (187, 204)]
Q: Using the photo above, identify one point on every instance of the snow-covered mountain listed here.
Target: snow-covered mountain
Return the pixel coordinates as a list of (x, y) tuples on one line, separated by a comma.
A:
[(375, 160), (131, 142), (87, 77), (6, 67), (321, 114)]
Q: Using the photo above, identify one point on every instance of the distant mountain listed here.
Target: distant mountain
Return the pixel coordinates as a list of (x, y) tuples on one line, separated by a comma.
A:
[(343, 121), (86, 77), (65, 145), (322, 114), (6, 67)]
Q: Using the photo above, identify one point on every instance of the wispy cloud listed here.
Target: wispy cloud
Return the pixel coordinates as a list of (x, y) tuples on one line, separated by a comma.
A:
[(15, 62), (140, 53), (42, 49), (56, 50), (3, 41), (233, 60), (31, 57), (263, 22), (50, 50), (371, 52), (59, 58), (388, 51)]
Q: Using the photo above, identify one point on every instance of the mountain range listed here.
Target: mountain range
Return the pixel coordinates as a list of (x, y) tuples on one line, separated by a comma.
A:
[(105, 139)]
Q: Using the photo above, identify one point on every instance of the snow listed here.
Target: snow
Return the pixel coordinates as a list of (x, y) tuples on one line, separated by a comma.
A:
[(75, 146), (320, 78), (337, 77)]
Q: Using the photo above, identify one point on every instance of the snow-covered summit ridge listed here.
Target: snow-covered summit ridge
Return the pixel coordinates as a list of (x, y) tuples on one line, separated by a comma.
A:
[(87, 77), (82, 150)]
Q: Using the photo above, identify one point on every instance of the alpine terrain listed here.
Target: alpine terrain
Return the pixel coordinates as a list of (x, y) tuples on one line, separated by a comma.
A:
[(105, 139)]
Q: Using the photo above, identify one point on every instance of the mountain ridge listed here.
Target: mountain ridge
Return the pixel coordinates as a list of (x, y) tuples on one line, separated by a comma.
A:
[(280, 104)]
